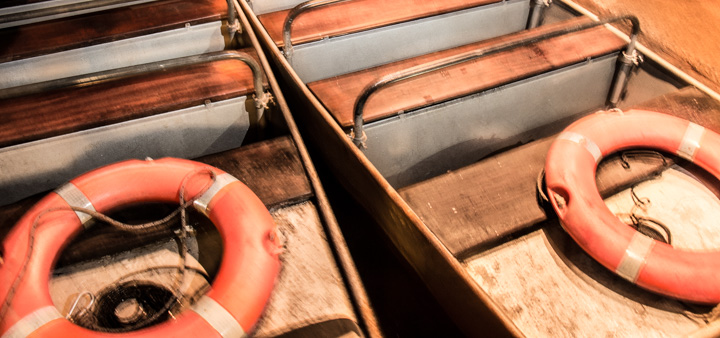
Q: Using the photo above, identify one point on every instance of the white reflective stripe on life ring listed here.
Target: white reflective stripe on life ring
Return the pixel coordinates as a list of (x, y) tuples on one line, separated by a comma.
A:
[(32, 322), (591, 147), (202, 202), (218, 317), (75, 198), (635, 256), (691, 141)]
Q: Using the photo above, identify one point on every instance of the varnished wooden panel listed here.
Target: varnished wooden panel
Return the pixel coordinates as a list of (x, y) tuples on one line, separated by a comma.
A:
[(271, 169), (358, 15), (339, 94), (105, 26), (59, 112), (473, 207)]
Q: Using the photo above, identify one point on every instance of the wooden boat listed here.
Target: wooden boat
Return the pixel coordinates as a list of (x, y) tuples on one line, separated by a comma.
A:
[(442, 141), (220, 107)]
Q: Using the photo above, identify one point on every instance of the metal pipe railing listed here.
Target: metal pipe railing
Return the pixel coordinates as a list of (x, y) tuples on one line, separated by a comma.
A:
[(261, 98), (293, 14), (80, 6), (57, 10), (358, 133)]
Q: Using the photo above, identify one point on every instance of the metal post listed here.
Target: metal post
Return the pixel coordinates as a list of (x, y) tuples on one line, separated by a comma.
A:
[(536, 13)]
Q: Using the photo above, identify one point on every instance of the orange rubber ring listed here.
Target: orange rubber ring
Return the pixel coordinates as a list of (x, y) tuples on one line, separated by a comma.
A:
[(244, 281), (570, 177)]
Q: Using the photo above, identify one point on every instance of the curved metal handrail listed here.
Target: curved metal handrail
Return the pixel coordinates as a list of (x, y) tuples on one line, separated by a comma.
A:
[(358, 133), (293, 14), (56, 10), (74, 7), (261, 98)]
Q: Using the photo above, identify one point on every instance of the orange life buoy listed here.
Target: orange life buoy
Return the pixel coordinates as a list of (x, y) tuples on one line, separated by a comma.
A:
[(570, 178), (244, 281)]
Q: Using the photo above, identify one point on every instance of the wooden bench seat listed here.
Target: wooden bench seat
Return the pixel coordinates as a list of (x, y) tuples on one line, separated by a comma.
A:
[(48, 114), (476, 206), (106, 26), (358, 15), (338, 94)]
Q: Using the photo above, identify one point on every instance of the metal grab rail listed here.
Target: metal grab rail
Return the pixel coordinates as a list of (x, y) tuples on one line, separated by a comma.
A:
[(358, 133), (293, 14), (74, 7), (261, 98)]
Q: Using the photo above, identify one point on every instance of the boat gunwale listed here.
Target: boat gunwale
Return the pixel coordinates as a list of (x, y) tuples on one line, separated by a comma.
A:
[(452, 288)]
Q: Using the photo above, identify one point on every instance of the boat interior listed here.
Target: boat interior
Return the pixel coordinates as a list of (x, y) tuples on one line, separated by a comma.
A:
[(437, 117), (90, 83), (429, 122)]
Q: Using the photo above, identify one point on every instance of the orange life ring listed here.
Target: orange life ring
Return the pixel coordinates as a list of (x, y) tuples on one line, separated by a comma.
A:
[(570, 178), (244, 281)]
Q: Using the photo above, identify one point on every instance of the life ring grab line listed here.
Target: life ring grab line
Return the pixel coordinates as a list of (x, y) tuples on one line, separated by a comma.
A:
[(239, 192), (581, 211)]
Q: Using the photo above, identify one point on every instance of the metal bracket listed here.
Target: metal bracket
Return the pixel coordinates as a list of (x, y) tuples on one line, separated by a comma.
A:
[(359, 141), (634, 58)]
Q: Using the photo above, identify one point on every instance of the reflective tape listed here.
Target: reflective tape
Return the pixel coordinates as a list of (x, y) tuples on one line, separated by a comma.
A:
[(691, 141), (201, 204), (634, 258), (218, 317), (28, 324), (591, 147), (74, 197)]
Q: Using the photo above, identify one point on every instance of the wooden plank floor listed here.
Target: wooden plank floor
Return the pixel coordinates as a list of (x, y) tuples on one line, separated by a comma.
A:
[(339, 93), (106, 26), (478, 205), (64, 111), (271, 169), (354, 16)]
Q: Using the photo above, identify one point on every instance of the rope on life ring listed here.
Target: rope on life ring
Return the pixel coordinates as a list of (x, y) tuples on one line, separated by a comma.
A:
[(238, 295), (570, 177)]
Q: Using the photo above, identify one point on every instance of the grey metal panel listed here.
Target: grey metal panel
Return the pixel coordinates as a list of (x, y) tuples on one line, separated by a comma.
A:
[(344, 54), (268, 6), (55, 3), (42, 165), (191, 40), (415, 146)]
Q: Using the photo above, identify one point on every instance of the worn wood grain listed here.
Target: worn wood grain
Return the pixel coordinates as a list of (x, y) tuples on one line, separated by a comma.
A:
[(339, 93), (310, 295), (478, 205), (551, 288), (106, 26), (271, 169), (358, 15), (68, 110)]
